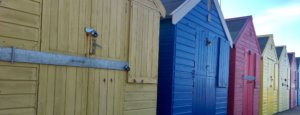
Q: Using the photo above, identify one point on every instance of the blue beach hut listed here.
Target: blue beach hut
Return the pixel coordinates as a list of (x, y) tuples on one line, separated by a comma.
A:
[(193, 59)]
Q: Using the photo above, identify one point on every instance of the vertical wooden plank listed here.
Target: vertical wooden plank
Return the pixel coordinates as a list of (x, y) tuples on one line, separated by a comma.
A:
[(155, 45), (118, 92), (94, 21), (132, 40), (93, 92), (110, 92), (103, 92), (42, 96), (84, 92), (113, 27), (73, 26), (60, 91), (138, 41), (63, 25), (78, 102), (91, 87), (70, 91), (150, 43), (96, 93), (45, 40), (105, 27), (50, 90), (144, 59), (82, 39), (126, 29), (119, 27), (53, 25)]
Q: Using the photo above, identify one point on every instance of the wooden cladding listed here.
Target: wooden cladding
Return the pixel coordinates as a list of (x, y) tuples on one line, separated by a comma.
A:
[(20, 24), (143, 44)]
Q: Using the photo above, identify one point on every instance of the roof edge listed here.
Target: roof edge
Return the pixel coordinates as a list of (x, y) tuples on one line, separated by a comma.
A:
[(183, 9), (160, 7), (225, 27)]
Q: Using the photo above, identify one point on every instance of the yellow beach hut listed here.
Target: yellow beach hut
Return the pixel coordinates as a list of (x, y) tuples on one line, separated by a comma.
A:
[(79, 57), (283, 78), (269, 76)]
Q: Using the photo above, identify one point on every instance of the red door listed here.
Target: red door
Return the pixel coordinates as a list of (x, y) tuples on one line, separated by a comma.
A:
[(248, 90)]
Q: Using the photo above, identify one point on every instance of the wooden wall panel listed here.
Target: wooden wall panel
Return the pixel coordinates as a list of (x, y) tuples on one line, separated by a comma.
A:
[(63, 26), (20, 24), (63, 90), (143, 56), (18, 88)]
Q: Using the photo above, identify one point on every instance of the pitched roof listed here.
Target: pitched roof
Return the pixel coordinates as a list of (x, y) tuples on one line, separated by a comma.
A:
[(171, 5), (298, 62), (263, 42), (279, 50), (291, 55), (177, 9), (235, 25)]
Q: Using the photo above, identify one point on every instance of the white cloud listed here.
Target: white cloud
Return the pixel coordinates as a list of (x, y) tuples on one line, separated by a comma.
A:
[(273, 19)]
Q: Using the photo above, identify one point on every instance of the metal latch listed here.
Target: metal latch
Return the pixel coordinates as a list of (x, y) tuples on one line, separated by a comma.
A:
[(92, 32)]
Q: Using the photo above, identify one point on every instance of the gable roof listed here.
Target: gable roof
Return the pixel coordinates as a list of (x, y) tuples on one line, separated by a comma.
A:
[(171, 5), (298, 62), (279, 50), (235, 26), (177, 9), (263, 40), (291, 56)]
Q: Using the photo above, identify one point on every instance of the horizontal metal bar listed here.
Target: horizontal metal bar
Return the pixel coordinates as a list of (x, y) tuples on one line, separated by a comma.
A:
[(36, 57), (250, 78)]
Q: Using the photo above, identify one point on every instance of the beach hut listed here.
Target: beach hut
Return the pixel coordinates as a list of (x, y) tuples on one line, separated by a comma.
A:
[(293, 80), (269, 76), (298, 82), (283, 78), (244, 68), (79, 57), (193, 59)]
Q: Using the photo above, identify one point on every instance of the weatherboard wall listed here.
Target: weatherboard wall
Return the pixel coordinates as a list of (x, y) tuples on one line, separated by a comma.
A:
[(269, 83), (187, 87), (298, 82), (243, 97), (283, 82), (128, 31), (293, 80)]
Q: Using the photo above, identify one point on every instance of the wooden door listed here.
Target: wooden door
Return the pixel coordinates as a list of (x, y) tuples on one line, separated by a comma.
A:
[(249, 77), (206, 60), (271, 87)]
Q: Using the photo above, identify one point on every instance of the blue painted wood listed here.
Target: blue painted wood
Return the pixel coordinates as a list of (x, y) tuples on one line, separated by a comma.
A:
[(193, 65)]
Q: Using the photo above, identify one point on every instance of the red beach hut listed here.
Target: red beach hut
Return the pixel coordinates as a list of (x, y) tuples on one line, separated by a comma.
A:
[(244, 69)]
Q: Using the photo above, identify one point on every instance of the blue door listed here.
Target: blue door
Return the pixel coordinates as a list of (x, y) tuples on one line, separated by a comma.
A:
[(204, 93)]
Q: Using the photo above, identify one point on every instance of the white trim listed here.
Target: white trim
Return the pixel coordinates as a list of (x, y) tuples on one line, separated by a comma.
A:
[(188, 5), (183, 9), (223, 22)]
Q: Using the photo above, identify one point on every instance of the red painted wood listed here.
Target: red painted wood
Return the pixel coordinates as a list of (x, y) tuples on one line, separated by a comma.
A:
[(243, 95)]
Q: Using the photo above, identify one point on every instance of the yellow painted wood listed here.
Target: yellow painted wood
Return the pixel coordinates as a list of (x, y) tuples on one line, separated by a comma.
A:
[(284, 73), (20, 24), (58, 26), (18, 88), (142, 16), (22, 5), (22, 111), (269, 84)]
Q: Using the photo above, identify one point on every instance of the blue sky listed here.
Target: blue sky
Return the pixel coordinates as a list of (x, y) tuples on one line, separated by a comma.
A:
[(278, 17)]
